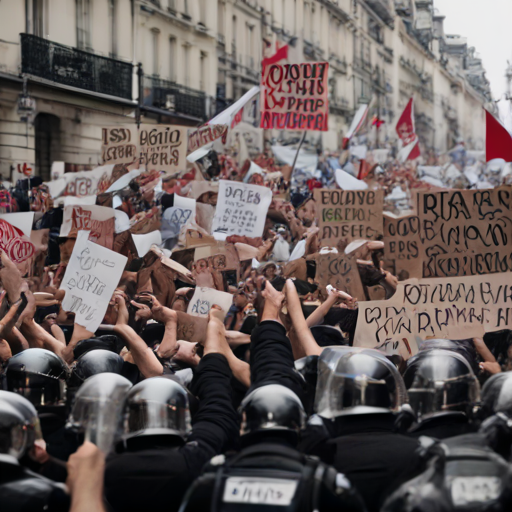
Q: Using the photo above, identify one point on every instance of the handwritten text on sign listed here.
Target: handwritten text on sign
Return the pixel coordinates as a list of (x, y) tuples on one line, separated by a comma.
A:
[(456, 308), (92, 275), (120, 144), (205, 298), (14, 243), (348, 215), (241, 209), (295, 97), (466, 232)]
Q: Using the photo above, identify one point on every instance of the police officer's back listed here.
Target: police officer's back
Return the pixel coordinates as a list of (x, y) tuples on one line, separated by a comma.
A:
[(270, 473), (359, 393), (22, 490), (443, 391), (161, 454)]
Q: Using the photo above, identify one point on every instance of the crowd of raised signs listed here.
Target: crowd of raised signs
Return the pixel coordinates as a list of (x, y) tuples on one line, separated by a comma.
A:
[(235, 276)]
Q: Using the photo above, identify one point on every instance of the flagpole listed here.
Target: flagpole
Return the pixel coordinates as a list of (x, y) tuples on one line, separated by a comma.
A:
[(297, 154)]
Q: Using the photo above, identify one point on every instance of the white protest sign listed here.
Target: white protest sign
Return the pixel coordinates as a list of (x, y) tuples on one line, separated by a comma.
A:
[(205, 298), (347, 182), (21, 220), (241, 210), (186, 203), (83, 183), (143, 243), (92, 275), (174, 218), (455, 308), (99, 220)]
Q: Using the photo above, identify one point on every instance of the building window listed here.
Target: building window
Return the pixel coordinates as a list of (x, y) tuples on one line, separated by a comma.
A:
[(83, 24), (250, 45), (38, 15), (112, 23), (171, 4), (203, 69), (283, 12), (172, 59), (307, 22), (155, 34), (221, 20), (185, 7), (186, 62), (47, 143), (202, 12)]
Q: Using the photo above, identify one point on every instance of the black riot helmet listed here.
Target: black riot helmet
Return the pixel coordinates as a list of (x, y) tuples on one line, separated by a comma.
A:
[(440, 381), (354, 380), (94, 362), (39, 375), (272, 409), (13, 438), (106, 342), (29, 413), (497, 396), (157, 406)]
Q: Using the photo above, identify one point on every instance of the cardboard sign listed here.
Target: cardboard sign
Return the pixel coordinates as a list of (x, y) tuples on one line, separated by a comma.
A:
[(340, 271), (345, 215), (163, 148), (119, 144), (241, 210), (466, 232), (456, 308), (99, 220), (403, 246), (194, 238), (14, 243), (295, 96), (205, 134), (92, 275), (205, 298)]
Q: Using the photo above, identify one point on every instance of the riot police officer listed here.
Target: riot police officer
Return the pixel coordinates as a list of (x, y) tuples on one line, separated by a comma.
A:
[(20, 489), (359, 394), (443, 391), (270, 471), (160, 454)]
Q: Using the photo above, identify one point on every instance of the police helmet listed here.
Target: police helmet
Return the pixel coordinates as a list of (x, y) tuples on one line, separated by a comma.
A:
[(440, 381), (13, 437), (29, 413), (272, 408), (39, 375), (157, 406), (95, 362), (354, 380), (497, 396), (97, 409)]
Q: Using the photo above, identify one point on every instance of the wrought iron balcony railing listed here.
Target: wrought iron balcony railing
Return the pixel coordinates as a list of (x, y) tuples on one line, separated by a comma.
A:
[(76, 68), (174, 97)]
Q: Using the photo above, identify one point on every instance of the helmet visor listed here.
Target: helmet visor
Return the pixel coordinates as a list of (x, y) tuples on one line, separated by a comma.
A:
[(40, 390)]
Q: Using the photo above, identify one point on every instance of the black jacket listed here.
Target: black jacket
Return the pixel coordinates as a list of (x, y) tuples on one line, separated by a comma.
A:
[(367, 450), (155, 471), (443, 426), (24, 491)]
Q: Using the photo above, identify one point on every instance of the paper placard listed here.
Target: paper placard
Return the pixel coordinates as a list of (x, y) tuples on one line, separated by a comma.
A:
[(241, 210), (91, 277), (348, 215), (21, 220), (205, 135), (205, 298), (175, 217), (14, 243), (347, 182), (83, 183), (295, 96), (143, 243), (456, 308), (120, 144)]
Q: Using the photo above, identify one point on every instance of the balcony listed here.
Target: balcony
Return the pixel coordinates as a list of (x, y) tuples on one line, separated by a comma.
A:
[(362, 65), (75, 68), (175, 98), (383, 9), (339, 106), (338, 64)]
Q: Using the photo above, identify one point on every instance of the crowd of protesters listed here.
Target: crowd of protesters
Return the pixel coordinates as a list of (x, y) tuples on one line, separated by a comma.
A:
[(269, 407)]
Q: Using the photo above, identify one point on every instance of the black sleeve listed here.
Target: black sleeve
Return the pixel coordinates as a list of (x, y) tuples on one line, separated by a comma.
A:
[(272, 358), (215, 424)]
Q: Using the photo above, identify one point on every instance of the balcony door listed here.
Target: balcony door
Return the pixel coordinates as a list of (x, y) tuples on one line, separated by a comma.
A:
[(47, 135)]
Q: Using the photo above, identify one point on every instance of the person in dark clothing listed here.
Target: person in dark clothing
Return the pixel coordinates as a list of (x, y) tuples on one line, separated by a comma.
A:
[(269, 471), (21, 490), (359, 392), (159, 461), (442, 392)]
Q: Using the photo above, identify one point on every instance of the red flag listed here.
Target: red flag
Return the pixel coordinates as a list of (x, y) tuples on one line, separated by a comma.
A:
[(498, 143), (281, 54), (407, 133)]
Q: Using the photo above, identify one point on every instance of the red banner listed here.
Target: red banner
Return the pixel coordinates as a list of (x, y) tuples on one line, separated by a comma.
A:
[(407, 133), (295, 96)]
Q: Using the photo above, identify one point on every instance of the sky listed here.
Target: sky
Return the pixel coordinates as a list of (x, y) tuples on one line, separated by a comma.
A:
[(488, 26)]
